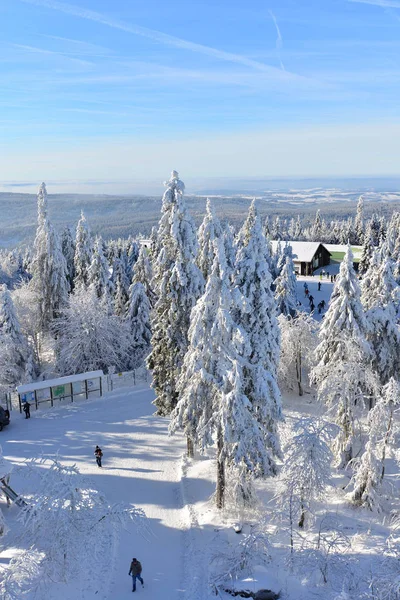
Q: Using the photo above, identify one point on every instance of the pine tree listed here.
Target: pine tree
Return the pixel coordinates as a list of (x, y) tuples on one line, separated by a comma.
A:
[(256, 314), (138, 319), (366, 253), (210, 229), (179, 284), (359, 222), (286, 289), (49, 268), (343, 348), (15, 353), (121, 285), (83, 252), (380, 298), (68, 250), (143, 273), (98, 274)]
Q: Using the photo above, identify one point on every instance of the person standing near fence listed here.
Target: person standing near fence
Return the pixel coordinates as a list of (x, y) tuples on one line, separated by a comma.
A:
[(27, 410)]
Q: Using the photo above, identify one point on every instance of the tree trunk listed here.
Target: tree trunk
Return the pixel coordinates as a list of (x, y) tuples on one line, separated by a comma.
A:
[(190, 447), (298, 372), (385, 443), (220, 471)]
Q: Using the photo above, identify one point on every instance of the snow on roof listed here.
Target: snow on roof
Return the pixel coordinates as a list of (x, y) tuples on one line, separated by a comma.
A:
[(357, 250), (42, 385), (302, 251)]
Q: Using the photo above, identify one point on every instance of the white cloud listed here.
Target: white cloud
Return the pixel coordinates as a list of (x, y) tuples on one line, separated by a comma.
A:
[(381, 3)]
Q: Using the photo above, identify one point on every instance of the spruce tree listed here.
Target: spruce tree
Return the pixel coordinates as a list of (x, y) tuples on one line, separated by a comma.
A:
[(83, 252), (366, 253), (179, 283), (286, 290), (121, 285), (210, 229), (68, 250), (256, 314), (98, 273), (143, 273), (343, 354), (138, 320), (49, 268), (359, 222)]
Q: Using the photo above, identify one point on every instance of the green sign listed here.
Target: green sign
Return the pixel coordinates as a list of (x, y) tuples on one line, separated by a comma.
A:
[(59, 391)]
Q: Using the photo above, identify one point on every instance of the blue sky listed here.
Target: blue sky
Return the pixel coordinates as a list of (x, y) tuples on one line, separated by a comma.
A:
[(127, 90)]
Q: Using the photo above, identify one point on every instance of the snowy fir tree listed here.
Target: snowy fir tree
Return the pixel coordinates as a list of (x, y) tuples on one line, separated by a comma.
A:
[(298, 342), (286, 289), (380, 298), (83, 252), (68, 250), (306, 473), (88, 337), (359, 222), (138, 320), (367, 479), (316, 229), (255, 313), (98, 272), (16, 365), (179, 284), (143, 273), (366, 253), (207, 359), (49, 268), (298, 232), (209, 230), (121, 285), (342, 337)]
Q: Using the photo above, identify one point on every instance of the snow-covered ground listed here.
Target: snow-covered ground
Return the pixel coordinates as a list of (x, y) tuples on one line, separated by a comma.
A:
[(143, 466)]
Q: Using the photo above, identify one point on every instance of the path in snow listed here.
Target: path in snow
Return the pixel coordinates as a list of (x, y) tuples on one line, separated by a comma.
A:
[(142, 466)]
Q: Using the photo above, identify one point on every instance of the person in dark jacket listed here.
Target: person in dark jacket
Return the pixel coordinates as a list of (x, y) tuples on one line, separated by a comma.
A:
[(27, 410), (135, 571), (98, 454)]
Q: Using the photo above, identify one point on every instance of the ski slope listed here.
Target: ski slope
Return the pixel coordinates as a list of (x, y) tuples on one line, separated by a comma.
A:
[(142, 466)]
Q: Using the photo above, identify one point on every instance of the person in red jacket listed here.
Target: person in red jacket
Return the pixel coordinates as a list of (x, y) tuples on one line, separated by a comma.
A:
[(135, 571)]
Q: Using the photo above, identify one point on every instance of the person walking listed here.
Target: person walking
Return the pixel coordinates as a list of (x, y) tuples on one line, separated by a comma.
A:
[(27, 410), (319, 286), (99, 455), (312, 306), (311, 299), (306, 292), (136, 572)]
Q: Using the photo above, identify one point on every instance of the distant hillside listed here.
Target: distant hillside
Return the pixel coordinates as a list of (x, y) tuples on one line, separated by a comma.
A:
[(121, 216)]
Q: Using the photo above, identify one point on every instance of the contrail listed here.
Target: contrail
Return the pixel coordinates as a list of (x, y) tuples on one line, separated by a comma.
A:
[(279, 41), (160, 37), (381, 3)]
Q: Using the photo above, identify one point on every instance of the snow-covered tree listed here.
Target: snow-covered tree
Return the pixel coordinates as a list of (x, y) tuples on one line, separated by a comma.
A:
[(49, 267), (306, 473), (15, 353), (298, 342), (286, 289), (366, 253), (255, 313), (179, 283), (298, 232), (143, 273), (68, 250), (83, 252), (121, 284), (98, 273), (342, 337), (88, 337), (380, 298), (316, 229), (138, 320), (359, 222), (209, 230)]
